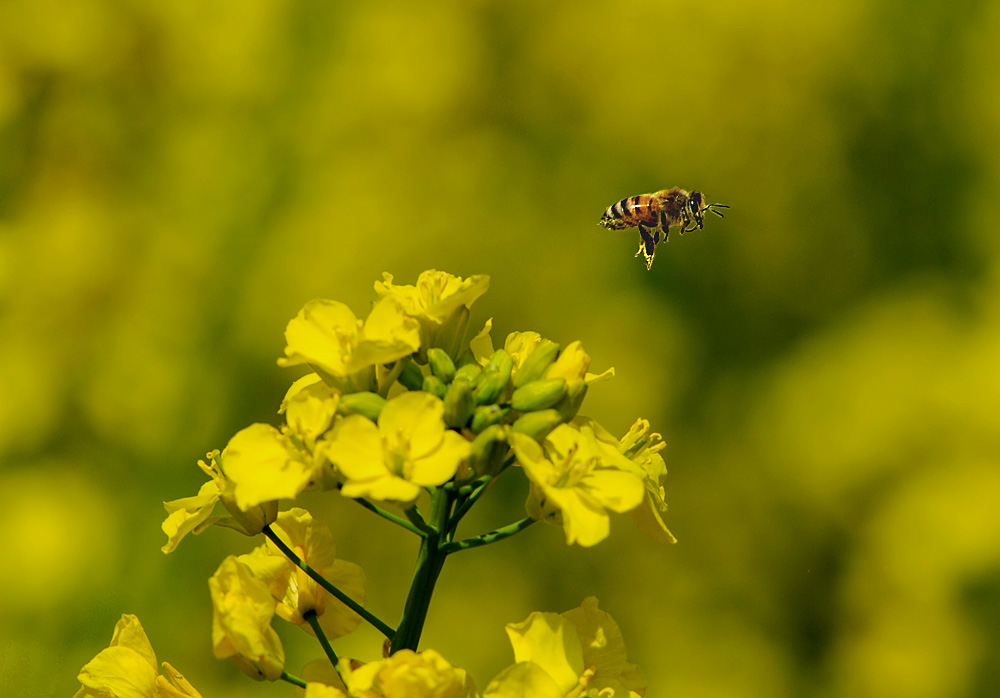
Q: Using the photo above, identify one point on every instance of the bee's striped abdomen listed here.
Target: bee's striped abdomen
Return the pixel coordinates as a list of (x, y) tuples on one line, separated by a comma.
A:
[(630, 212)]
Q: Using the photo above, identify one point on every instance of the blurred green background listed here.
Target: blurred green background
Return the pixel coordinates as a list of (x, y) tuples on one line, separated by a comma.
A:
[(177, 179)]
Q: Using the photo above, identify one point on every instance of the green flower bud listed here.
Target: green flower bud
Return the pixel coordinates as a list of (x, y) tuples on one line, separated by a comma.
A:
[(490, 386), (537, 363), (486, 416), (469, 372), (502, 362), (411, 377), (538, 424), (488, 450), (441, 364), (458, 403), (366, 404), (435, 386), (570, 405), (538, 395)]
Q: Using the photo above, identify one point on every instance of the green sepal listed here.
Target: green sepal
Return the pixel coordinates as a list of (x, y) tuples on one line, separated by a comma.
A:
[(539, 395), (458, 403), (490, 386), (502, 362), (434, 386), (469, 372), (366, 404), (486, 416), (488, 450), (538, 424), (570, 405), (411, 376), (537, 363), (441, 364)]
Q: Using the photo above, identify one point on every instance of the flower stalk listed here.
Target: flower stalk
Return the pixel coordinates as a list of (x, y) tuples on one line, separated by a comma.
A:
[(323, 582)]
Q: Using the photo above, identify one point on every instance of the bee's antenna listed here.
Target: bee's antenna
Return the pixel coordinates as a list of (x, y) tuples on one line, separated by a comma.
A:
[(712, 207)]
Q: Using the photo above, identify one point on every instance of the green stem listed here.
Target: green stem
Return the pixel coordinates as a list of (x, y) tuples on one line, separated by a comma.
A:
[(321, 580), (313, 620), (413, 514), (294, 680), (388, 516), (463, 509), (430, 560), (487, 538)]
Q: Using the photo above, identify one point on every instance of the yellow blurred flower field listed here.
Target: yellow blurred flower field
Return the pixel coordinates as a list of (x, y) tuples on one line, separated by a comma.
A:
[(178, 180)]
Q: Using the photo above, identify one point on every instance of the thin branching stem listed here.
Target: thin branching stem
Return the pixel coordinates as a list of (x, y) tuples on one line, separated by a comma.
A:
[(388, 516), (313, 620), (294, 680), (487, 538), (322, 581)]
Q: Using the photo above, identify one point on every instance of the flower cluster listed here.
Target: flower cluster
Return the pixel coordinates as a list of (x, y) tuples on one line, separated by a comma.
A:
[(404, 414)]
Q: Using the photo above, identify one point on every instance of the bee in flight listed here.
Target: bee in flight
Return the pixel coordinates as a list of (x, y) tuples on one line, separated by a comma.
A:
[(654, 214)]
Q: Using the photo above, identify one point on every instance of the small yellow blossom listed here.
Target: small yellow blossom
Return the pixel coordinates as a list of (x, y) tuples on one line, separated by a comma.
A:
[(264, 464), (321, 690), (310, 406), (330, 339), (574, 654), (642, 448), (440, 302), (572, 365), (520, 345), (127, 669), (574, 483), (296, 592), (408, 674), (193, 514), (241, 621), (410, 448)]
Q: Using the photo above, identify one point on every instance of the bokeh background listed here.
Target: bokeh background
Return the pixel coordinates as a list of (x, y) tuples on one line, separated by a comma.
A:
[(177, 179)]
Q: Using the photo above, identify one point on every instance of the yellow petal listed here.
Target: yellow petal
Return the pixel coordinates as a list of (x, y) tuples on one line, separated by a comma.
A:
[(322, 333), (119, 671), (413, 421), (387, 488), (440, 466), (552, 643), (263, 466), (355, 448), (523, 679), (187, 514)]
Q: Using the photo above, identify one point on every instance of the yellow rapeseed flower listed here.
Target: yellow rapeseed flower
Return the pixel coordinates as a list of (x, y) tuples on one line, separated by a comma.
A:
[(572, 365), (309, 406), (643, 448), (264, 465), (127, 669), (408, 674), (440, 302), (296, 592), (194, 514), (570, 655), (328, 337), (241, 621), (409, 448), (574, 483)]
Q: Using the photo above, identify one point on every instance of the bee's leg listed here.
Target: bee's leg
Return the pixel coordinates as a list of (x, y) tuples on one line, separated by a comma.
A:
[(647, 245), (665, 226)]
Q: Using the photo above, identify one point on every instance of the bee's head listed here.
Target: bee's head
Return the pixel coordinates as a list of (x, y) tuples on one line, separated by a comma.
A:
[(697, 208)]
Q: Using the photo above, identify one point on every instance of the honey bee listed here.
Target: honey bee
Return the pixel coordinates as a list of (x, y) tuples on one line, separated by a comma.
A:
[(654, 214)]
